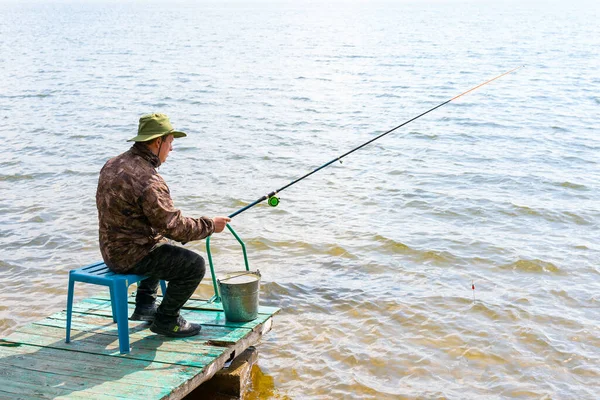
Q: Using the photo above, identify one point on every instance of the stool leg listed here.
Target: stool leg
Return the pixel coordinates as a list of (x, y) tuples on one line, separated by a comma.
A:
[(120, 292), (69, 307), (113, 303)]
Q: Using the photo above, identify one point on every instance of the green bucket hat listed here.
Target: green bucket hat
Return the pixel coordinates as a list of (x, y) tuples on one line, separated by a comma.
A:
[(155, 125)]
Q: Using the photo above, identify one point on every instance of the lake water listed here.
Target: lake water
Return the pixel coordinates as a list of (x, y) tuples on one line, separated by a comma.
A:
[(372, 261)]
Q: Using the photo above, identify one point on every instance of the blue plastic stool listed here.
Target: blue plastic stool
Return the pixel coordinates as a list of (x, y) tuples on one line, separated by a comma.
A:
[(99, 274)]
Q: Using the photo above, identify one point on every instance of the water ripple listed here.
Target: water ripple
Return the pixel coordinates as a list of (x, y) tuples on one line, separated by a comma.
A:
[(371, 260)]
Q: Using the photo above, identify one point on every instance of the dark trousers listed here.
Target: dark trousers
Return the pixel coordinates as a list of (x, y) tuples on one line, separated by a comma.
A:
[(181, 268)]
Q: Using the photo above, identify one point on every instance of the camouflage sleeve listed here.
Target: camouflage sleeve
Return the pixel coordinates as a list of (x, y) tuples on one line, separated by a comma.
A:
[(168, 221)]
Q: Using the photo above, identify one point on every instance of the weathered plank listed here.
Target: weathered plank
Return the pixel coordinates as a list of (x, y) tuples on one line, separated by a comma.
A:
[(85, 365), (104, 325), (6, 395), (93, 386), (19, 382), (146, 339), (193, 358), (149, 348), (25, 391)]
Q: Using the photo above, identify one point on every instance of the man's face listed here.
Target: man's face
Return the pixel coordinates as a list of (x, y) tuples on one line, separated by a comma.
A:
[(165, 148)]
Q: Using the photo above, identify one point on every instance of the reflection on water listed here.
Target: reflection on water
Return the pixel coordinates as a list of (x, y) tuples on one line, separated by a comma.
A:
[(259, 386), (263, 386)]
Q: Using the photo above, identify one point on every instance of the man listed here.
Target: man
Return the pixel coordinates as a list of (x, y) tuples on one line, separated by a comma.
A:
[(136, 214)]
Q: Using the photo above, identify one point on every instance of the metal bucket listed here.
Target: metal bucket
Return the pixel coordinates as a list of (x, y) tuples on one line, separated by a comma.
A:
[(239, 295)]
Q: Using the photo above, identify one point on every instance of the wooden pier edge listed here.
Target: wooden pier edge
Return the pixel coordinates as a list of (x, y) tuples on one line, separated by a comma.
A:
[(232, 382), (233, 351), (35, 361)]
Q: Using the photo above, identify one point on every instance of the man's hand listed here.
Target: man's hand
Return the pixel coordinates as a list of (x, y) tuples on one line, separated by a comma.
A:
[(220, 223)]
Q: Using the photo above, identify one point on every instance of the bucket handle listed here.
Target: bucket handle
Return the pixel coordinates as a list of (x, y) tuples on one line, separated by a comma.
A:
[(240, 274), (217, 298)]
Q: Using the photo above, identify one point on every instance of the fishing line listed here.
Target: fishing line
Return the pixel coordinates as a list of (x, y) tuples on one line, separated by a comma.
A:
[(273, 200)]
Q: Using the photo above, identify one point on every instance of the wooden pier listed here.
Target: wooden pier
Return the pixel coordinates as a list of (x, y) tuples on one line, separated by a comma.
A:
[(35, 361)]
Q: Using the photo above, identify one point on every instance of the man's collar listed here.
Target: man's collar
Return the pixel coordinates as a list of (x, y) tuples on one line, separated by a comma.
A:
[(140, 149)]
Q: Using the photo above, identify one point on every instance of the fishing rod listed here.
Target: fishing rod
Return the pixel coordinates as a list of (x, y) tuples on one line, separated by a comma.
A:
[(273, 200)]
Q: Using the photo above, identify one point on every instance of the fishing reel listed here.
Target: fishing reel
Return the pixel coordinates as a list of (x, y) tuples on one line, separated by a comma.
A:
[(273, 201)]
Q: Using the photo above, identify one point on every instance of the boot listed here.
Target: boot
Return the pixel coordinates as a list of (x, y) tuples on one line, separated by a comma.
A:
[(174, 326)]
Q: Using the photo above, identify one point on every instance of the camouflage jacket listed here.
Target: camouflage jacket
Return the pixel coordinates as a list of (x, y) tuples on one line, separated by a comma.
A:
[(135, 210)]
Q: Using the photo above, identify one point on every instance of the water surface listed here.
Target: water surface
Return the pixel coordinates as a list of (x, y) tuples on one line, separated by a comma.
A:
[(372, 261)]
